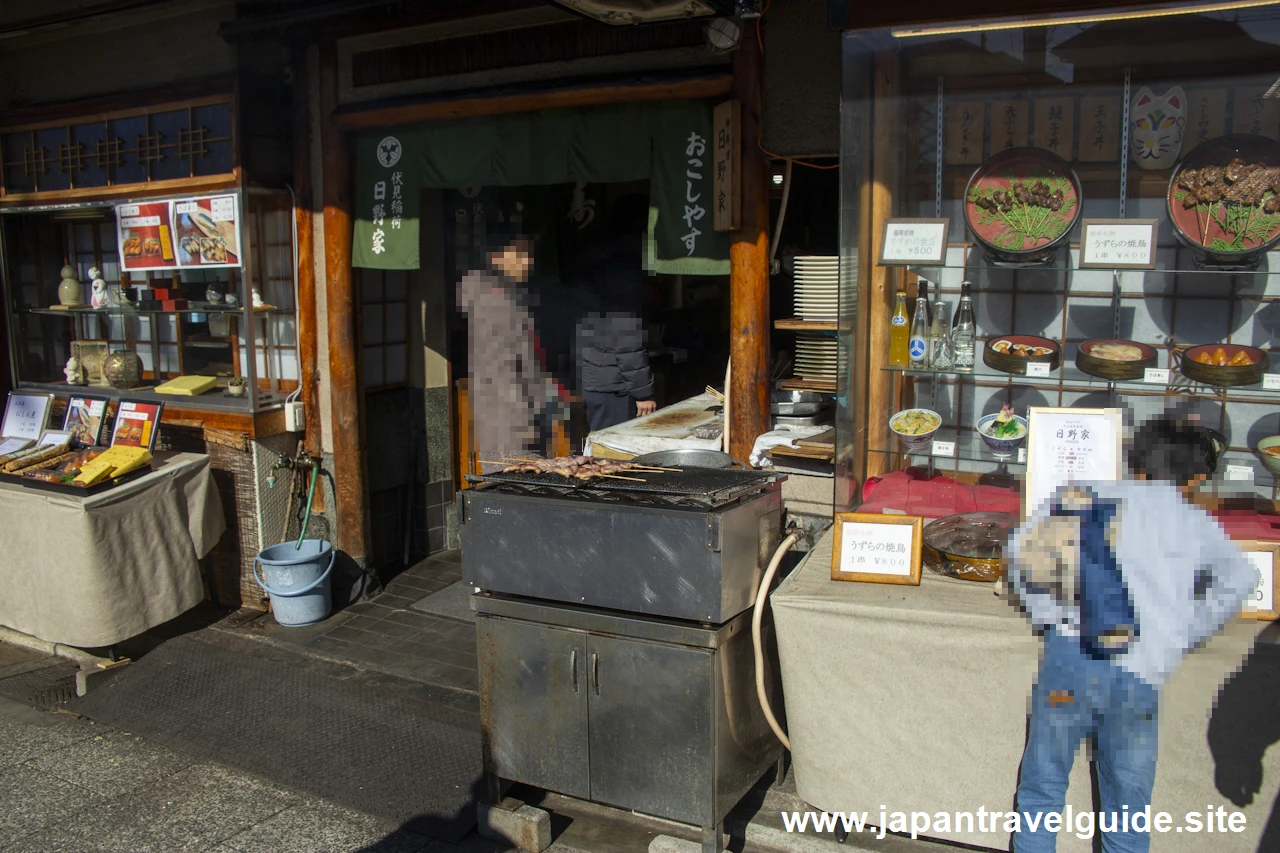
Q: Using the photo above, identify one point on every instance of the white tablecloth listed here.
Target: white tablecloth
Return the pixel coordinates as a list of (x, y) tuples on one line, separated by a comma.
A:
[(915, 698), (669, 428), (97, 569)]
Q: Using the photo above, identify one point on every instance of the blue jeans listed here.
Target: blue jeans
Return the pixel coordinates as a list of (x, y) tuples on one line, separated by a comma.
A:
[(1078, 697)]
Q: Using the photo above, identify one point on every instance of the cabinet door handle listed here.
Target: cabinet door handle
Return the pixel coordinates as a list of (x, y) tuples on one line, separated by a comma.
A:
[(595, 672), (573, 667)]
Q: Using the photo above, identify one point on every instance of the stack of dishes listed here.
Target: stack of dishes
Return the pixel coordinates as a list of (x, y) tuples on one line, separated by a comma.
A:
[(817, 287), (816, 356)]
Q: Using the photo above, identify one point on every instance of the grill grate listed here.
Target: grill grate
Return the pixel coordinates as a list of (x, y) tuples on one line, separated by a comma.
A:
[(692, 487)]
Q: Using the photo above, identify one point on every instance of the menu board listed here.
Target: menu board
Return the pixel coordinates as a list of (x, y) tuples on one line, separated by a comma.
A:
[(25, 415), (145, 236), (1065, 445), (876, 548), (137, 424), (208, 231), (190, 233), (84, 419)]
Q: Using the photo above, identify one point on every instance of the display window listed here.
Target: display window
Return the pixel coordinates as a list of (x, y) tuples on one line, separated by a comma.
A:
[(1110, 190)]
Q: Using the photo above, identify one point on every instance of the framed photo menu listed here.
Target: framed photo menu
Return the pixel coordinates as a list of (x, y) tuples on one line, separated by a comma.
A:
[(137, 424), (85, 418), (1064, 445)]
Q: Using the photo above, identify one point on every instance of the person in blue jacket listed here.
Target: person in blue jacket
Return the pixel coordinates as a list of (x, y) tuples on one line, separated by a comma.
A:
[(1123, 579)]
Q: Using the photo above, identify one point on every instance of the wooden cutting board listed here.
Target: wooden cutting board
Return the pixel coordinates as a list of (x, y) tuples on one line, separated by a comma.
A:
[(825, 440)]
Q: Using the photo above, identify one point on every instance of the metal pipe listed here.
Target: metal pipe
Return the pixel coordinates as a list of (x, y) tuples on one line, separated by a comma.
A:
[(756, 616)]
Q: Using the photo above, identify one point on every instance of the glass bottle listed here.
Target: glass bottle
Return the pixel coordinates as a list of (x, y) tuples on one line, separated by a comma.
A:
[(922, 292), (899, 333), (941, 353), (964, 330), (919, 341)]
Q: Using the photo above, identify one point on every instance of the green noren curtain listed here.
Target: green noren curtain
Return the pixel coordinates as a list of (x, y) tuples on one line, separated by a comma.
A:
[(668, 143)]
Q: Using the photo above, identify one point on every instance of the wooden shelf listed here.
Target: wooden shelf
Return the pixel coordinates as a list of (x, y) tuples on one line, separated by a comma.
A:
[(792, 324), (821, 386)]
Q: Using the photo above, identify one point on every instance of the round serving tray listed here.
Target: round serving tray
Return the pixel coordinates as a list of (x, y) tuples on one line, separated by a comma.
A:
[(1017, 364), (1028, 232), (1227, 376), (1253, 230), (1116, 371), (982, 569)]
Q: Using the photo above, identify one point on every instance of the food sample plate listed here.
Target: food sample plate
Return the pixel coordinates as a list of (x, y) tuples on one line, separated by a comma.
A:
[(1225, 365), (1114, 359), (1022, 204), (1012, 353), (1224, 197)]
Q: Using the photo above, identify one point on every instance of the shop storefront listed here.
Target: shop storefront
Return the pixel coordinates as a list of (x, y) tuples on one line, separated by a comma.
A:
[(1086, 201), (148, 281)]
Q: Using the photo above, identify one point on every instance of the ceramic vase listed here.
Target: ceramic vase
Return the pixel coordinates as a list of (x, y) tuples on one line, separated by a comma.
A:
[(69, 291), (123, 369)]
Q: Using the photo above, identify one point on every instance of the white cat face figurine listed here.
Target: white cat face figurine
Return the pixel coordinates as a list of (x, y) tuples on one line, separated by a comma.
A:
[(1156, 127)]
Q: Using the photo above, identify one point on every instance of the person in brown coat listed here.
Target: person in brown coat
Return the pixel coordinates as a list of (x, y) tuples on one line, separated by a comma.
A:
[(510, 391)]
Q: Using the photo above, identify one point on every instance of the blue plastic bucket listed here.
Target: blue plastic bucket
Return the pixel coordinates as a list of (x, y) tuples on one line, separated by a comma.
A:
[(297, 579)]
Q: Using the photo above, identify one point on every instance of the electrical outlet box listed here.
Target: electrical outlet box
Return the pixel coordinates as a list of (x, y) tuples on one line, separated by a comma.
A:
[(294, 418)]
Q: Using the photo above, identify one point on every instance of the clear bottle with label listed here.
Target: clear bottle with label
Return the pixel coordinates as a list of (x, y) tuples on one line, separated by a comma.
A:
[(922, 292), (919, 341), (964, 330), (899, 334), (941, 352)]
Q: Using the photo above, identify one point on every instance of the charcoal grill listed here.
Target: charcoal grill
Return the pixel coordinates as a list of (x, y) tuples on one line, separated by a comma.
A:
[(613, 635)]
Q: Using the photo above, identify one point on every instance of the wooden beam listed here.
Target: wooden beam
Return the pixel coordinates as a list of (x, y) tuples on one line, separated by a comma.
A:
[(884, 280), (364, 117), (340, 297), (749, 267), (925, 12), (308, 348)]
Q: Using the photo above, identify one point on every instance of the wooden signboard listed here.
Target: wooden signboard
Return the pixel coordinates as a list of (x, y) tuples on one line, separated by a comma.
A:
[(727, 120), (1070, 444), (874, 548), (1008, 125), (1055, 126), (1262, 603), (1099, 129), (1253, 112), (965, 123), (1206, 117)]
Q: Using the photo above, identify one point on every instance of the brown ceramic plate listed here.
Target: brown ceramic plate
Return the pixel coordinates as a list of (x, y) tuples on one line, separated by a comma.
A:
[(1252, 230), (1026, 232)]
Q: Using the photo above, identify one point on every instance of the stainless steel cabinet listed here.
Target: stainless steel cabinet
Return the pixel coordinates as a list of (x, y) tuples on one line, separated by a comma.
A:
[(534, 708), (652, 715), (650, 732)]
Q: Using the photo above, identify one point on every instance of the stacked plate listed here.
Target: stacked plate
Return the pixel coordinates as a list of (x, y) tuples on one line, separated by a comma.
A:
[(816, 356), (817, 287)]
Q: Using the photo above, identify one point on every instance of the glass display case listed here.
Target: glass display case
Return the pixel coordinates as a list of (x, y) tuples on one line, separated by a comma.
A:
[(187, 300), (1018, 135)]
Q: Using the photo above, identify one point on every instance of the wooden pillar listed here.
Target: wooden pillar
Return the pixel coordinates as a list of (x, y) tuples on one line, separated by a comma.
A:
[(884, 280), (749, 267), (309, 375), (340, 293)]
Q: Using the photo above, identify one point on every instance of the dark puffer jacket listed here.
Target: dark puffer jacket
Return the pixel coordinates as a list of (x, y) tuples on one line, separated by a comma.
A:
[(612, 356)]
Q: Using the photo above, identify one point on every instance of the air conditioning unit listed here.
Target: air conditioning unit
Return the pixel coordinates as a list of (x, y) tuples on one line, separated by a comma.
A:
[(629, 12)]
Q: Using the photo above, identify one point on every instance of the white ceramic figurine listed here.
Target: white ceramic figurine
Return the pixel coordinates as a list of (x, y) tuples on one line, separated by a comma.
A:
[(73, 371), (101, 298)]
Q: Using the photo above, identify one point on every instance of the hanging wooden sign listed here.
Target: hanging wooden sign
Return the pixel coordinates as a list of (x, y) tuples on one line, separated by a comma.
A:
[(727, 122), (1008, 125), (1206, 117), (1056, 126), (965, 125), (1099, 129)]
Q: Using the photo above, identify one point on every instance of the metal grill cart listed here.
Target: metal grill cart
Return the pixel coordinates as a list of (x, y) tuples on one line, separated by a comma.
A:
[(614, 636)]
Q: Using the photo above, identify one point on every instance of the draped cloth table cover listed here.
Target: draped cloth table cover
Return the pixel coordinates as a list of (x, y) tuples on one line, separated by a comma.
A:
[(915, 698), (94, 570)]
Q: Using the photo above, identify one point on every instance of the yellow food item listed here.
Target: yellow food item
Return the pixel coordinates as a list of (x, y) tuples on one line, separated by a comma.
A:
[(187, 386), (113, 462), (915, 423), (166, 243)]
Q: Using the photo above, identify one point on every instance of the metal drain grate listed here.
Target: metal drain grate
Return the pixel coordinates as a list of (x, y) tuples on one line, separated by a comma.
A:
[(48, 688)]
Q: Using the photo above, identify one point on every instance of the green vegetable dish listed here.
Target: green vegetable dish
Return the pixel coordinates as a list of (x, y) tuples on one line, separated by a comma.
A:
[(915, 423)]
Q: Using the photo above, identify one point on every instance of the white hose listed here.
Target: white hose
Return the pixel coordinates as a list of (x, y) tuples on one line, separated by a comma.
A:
[(761, 596), (782, 211)]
